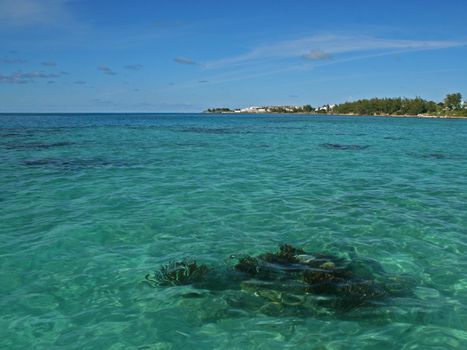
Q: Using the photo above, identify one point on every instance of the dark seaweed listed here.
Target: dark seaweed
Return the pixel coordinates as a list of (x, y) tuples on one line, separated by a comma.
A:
[(287, 254), (39, 162), (439, 156), (248, 265), (393, 138), (75, 164), (9, 135), (200, 130), (178, 273), (37, 145), (342, 147), (215, 131), (436, 156)]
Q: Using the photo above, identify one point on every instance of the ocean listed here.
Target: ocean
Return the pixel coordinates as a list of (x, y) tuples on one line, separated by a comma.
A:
[(92, 203)]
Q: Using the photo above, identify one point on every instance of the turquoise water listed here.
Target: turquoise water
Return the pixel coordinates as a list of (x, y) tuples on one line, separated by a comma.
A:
[(92, 203)]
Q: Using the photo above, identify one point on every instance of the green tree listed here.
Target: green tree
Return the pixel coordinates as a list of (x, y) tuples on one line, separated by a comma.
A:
[(453, 101), (307, 109), (397, 106)]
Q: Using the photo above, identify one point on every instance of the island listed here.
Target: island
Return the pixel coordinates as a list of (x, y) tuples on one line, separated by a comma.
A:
[(451, 107)]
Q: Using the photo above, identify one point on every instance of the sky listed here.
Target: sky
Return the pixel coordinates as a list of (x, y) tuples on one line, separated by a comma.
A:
[(187, 56)]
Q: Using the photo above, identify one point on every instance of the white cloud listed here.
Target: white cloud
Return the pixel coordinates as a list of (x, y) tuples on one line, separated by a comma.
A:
[(317, 55)]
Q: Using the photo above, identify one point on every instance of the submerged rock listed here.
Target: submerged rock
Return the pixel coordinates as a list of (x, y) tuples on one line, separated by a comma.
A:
[(248, 265), (288, 278), (287, 254)]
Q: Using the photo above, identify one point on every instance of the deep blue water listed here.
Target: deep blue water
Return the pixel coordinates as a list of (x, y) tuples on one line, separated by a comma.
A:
[(91, 203)]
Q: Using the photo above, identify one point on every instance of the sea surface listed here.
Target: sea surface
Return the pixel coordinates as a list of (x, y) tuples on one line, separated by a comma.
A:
[(92, 203)]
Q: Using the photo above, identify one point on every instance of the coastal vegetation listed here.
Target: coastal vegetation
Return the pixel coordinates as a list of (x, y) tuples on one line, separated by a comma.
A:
[(291, 109), (219, 110), (387, 106), (451, 106)]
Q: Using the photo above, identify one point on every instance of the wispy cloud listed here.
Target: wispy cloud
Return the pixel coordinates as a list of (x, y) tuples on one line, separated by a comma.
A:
[(49, 64), (321, 46), (79, 82), (311, 53), (27, 77), (134, 66), (13, 79), (184, 60), (106, 70), (317, 55), (251, 69), (11, 60), (32, 12)]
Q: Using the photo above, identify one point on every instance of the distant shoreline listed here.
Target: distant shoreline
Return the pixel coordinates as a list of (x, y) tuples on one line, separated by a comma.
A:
[(346, 115), (291, 114), (451, 107)]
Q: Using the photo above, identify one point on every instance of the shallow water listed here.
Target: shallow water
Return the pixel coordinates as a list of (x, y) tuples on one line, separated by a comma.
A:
[(92, 203)]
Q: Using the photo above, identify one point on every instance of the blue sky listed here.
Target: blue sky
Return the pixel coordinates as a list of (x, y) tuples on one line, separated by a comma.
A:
[(154, 56)]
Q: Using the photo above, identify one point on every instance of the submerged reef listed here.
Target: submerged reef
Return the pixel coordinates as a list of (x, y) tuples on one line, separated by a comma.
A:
[(435, 156), (342, 147), (37, 145), (76, 164), (289, 278)]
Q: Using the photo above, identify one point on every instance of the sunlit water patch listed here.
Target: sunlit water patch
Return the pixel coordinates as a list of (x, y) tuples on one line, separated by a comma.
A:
[(93, 204)]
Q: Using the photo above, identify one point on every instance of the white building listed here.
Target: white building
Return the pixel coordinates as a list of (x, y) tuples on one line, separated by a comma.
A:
[(253, 109)]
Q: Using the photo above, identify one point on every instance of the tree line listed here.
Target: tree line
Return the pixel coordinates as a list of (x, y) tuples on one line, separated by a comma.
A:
[(452, 105)]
